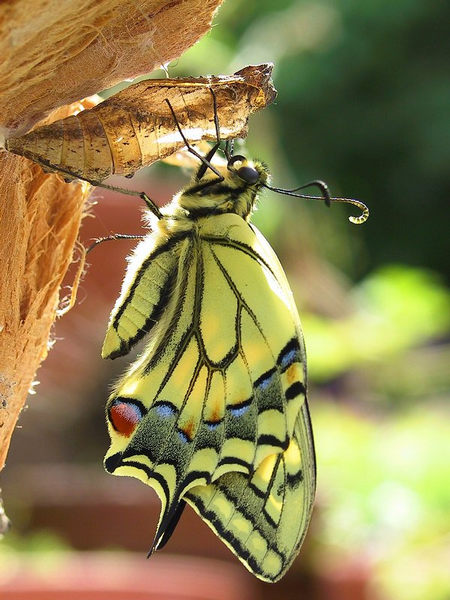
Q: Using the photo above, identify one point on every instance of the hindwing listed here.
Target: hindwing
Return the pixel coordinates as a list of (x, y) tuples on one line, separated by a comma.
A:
[(263, 518)]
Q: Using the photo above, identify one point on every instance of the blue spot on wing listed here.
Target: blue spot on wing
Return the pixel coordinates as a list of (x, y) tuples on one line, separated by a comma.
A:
[(239, 410), (265, 383), (288, 358), (291, 353), (265, 380), (164, 409), (183, 437)]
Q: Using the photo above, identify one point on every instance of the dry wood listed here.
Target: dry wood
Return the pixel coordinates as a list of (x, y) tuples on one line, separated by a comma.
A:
[(54, 52)]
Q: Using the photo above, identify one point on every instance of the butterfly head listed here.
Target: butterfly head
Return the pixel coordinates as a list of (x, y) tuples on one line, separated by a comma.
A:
[(236, 191), (245, 178), (249, 172)]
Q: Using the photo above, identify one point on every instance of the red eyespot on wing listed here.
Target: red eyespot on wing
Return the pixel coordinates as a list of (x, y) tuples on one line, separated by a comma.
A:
[(124, 416)]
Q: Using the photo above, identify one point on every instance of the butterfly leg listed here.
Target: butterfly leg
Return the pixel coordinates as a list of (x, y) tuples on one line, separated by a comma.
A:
[(114, 236), (203, 167), (68, 177), (229, 147), (142, 195), (206, 160)]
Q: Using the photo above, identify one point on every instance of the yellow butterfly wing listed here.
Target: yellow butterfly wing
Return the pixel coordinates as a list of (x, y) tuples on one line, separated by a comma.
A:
[(221, 384), (263, 518), (146, 288)]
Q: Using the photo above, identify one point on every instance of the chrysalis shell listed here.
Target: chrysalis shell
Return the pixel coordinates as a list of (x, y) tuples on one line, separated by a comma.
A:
[(135, 127)]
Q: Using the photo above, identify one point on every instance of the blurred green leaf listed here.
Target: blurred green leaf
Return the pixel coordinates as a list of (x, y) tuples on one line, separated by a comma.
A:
[(394, 310), (383, 492)]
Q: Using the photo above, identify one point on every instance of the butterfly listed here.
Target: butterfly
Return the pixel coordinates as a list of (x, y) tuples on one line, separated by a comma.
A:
[(213, 413)]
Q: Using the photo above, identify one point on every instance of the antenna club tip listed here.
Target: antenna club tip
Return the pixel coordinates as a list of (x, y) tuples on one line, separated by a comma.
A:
[(361, 219)]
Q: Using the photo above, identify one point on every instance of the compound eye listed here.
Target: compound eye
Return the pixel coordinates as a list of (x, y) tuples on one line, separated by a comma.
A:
[(248, 174)]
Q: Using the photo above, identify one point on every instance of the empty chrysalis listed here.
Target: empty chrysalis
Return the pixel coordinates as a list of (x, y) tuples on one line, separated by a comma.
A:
[(135, 127)]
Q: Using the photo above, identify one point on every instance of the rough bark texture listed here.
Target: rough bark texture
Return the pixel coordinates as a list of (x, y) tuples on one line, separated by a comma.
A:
[(54, 52)]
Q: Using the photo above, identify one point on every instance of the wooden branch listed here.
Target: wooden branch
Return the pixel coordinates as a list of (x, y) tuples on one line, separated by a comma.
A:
[(58, 51)]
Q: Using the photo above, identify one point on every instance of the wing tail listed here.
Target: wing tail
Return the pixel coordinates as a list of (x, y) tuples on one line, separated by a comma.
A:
[(167, 526)]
